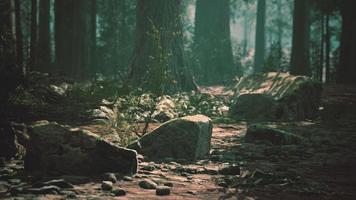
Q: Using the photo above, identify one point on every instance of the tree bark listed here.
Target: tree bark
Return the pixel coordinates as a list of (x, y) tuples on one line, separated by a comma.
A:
[(327, 48), (260, 37), (10, 74), (33, 41), (72, 37), (212, 43), (44, 39), (322, 45), (300, 44), (93, 36), (346, 72), (19, 38), (158, 63)]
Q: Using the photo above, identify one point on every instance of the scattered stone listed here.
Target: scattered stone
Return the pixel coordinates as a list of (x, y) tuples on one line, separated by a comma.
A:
[(56, 149), (265, 134), (110, 177), (211, 170), (69, 194), (216, 158), (61, 183), (149, 168), (127, 178), (14, 181), (4, 187), (119, 192), (183, 138), (106, 185), (163, 190), (147, 184), (51, 189), (233, 169)]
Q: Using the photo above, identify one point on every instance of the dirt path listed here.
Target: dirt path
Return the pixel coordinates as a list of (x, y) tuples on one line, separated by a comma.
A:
[(323, 167)]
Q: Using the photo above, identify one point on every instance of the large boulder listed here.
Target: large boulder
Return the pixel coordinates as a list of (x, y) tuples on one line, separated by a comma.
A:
[(258, 133), (285, 96), (182, 138), (56, 149)]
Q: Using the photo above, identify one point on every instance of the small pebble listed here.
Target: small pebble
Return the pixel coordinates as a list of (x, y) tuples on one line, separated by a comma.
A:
[(119, 192), (110, 177), (106, 185), (147, 184), (163, 190), (127, 178)]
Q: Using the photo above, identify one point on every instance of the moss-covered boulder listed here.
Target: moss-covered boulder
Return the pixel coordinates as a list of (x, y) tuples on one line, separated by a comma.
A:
[(258, 133), (285, 96), (182, 138), (56, 149)]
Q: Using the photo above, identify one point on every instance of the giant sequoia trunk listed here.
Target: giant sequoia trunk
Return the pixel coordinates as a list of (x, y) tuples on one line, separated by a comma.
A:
[(212, 41), (158, 63), (33, 41), (19, 40), (9, 72), (346, 72), (260, 37), (72, 37), (44, 48), (300, 45)]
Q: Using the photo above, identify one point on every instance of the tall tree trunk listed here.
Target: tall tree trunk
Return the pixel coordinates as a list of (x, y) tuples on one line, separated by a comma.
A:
[(213, 41), (72, 37), (300, 44), (346, 72), (327, 48), (44, 39), (245, 36), (260, 37), (10, 74), (322, 45), (33, 42), (158, 63), (19, 41), (279, 36), (93, 36)]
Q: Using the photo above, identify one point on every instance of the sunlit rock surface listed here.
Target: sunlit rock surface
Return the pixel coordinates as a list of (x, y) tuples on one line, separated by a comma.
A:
[(294, 97), (183, 138), (56, 149)]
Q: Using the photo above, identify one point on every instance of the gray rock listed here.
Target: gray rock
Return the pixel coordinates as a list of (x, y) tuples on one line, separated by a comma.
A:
[(183, 138), (106, 185), (147, 184), (56, 149), (51, 189), (119, 192), (127, 178), (266, 134), (4, 187), (110, 177), (169, 184), (59, 183), (276, 96), (163, 190)]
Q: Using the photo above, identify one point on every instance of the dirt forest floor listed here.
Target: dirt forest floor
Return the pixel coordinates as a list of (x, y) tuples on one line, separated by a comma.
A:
[(322, 167)]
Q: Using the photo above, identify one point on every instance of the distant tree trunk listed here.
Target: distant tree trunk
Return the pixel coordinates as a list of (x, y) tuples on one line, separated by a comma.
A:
[(33, 42), (322, 45), (260, 37), (158, 63), (346, 72), (19, 40), (327, 48), (72, 37), (93, 36), (213, 41), (44, 39), (245, 36), (279, 36), (10, 74), (300, 45)]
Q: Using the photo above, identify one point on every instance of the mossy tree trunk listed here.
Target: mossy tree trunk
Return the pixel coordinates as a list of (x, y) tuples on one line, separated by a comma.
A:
[(260, 37), (10, 73), (212, 42), (346, 72), (72, 37), (300, 45), (44, 39), (158, 63)]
